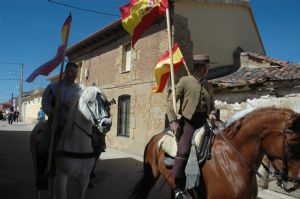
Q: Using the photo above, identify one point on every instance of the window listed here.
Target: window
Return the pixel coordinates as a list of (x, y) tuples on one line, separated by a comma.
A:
[(79, 73), (126, 58), (123, 115)]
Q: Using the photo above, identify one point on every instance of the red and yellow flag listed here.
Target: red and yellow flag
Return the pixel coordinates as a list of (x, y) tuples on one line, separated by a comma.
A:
[(49, 66), (138, 15), (65, 30), (162, 68)]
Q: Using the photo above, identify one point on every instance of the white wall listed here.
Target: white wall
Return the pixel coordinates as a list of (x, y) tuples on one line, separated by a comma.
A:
[(218, 29)]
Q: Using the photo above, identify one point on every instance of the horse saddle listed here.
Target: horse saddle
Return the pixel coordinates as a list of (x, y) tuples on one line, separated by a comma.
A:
[(202, 140)]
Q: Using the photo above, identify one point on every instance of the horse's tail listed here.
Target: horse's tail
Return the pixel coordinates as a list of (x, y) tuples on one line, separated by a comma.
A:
[(149, 177)]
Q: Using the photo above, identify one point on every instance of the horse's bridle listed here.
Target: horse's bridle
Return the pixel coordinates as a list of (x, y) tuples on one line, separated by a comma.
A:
[(218, 132), (97, 121), (283, 176)]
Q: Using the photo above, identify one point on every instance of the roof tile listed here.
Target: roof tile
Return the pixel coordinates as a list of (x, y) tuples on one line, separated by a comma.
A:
[(282, 71)]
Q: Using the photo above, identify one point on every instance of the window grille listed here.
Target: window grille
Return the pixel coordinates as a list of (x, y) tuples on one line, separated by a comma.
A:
[(123, 115)]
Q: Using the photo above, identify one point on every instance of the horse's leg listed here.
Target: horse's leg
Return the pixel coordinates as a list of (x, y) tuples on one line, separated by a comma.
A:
[(153, 168), (82, 185), (60, 186), (172, 194), (51, 187), (92, 175), (146, 183)]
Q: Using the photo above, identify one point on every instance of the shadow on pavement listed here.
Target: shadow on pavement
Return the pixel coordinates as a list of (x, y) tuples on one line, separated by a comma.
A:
[(116, 177)]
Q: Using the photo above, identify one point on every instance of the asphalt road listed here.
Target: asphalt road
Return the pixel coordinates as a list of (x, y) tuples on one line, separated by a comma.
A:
[(116, 171)]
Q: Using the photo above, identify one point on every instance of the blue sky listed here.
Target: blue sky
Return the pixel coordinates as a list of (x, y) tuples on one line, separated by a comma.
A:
[(30, 32)]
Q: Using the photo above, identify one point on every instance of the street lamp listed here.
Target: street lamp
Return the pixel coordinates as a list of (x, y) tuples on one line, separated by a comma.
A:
[(20, 86)]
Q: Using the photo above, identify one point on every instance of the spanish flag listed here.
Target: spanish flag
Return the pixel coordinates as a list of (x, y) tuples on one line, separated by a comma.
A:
[(65, 30), (49, 66), (162, 68), (138, 15)]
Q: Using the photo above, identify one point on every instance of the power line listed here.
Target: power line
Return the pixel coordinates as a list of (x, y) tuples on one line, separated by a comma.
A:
[(12, 63), (13, 71), (84, 9)]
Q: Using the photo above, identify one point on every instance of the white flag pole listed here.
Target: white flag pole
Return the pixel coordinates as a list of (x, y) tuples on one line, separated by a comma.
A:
[(171, 59), (186, 68), (54, 125)]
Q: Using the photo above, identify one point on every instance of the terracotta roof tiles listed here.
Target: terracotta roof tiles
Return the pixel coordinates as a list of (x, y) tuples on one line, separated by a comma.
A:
[(278, 71)]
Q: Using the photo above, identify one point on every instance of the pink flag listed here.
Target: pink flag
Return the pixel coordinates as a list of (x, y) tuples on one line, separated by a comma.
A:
[(46, 68)]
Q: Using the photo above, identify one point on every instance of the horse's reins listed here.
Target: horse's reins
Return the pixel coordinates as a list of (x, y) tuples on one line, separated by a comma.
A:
[(77, 154), (84, 155), (216, 132)]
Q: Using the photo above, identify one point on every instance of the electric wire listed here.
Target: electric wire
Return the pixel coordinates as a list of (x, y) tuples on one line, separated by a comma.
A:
[(84, 9)]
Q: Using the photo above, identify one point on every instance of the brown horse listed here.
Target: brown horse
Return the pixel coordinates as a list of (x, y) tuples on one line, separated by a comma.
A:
[(236, 155)]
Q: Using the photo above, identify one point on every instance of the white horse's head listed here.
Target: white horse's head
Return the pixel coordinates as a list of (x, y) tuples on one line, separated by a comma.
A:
[(95, 108)]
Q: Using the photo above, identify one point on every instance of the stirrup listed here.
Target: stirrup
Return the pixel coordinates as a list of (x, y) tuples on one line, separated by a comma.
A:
[(179, 194)]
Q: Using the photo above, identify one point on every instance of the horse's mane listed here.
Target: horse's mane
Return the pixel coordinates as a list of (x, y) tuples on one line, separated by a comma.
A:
[(234, 123), (87, 93)]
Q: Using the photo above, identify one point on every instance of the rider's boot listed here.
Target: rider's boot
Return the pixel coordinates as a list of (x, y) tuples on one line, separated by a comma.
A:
[(179, 188)]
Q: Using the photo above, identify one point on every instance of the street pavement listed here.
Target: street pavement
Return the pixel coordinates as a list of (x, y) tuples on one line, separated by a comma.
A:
[(116, 171)]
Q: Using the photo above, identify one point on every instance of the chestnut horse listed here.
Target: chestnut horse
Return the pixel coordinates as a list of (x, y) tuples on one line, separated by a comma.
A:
[(236, 153)]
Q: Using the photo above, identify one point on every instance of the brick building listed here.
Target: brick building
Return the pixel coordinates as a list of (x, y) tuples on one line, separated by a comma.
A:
[(106, 59)]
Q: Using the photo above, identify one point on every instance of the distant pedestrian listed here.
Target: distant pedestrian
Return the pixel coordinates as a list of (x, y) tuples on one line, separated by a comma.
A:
[(41, 115), (16, 116), (1, 116), (11, 115)]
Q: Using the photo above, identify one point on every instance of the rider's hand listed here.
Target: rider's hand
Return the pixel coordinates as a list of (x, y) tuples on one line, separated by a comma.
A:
[(212, 116), (174, 126)]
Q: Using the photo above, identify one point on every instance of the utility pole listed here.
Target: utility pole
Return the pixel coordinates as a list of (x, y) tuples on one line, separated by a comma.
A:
[(12, 100), (20, 86), (20, 93)]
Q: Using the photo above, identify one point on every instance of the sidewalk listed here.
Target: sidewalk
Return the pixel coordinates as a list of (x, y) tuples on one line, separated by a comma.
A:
[(20, 126), (116, 165)]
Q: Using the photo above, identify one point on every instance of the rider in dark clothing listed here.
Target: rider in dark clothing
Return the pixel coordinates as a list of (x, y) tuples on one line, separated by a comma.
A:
[(196, 105)]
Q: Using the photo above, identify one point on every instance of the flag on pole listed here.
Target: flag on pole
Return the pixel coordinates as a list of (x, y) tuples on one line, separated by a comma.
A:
[(49, 66), (65, 30), (138, 15), (162, 68)]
